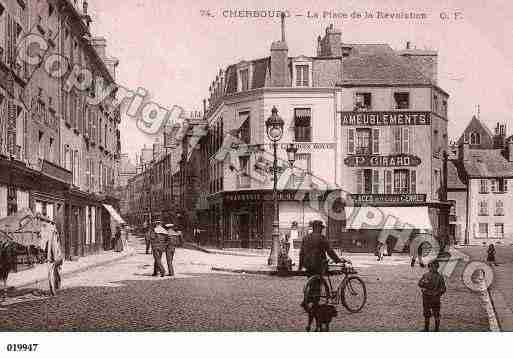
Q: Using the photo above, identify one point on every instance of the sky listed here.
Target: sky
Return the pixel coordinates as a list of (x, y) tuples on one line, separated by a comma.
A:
[(172, 50)]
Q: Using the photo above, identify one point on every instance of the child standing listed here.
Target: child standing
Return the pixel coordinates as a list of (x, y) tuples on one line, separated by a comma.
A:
[(433, 287)]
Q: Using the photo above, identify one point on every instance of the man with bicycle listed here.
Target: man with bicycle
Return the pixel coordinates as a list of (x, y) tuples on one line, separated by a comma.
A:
[(313, 257)]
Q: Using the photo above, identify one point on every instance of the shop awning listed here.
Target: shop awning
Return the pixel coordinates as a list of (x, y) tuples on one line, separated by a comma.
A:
[(114, 214), (388, 218)]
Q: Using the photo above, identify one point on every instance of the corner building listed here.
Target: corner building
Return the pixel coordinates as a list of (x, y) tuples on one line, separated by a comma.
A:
[(370, 126)]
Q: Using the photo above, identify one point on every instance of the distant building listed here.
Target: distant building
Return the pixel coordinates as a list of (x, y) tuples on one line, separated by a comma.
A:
[(480, 186)]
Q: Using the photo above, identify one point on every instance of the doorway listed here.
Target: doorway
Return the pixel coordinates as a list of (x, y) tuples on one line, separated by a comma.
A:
[(244, 230)]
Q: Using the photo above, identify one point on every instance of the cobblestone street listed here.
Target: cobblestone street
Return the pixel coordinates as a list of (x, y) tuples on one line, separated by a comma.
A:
[(123, 296)]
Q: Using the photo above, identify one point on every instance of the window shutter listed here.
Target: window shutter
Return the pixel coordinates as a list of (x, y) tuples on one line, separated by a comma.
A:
[(494, 185), (505, 185), (388, 181), (413, 181), (350, 140), (375, 141), (359, 181), (406, 140), (375, 181), (396, 133)]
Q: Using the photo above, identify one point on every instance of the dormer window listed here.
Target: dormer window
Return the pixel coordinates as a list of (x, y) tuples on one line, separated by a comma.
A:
[(244, 80), (363, 101), (475, 138), (244, 76), (402, 100), (302, 74)]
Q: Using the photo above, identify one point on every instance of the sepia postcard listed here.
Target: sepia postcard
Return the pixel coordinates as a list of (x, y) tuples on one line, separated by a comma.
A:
[(219, 167)]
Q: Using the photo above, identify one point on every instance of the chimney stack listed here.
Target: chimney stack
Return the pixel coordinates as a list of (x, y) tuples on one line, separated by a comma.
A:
[(408, 45), (280, 76)]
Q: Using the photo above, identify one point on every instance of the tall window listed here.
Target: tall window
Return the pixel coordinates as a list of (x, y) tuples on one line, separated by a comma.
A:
[(499, 208), (302, 167), (388, 181), (483, 186), (402, 140), (475, 138), (302, 76), (483, 229), (303, 125), (41, 145), (483, 208), (401, 181), (244, 80), (363, 101), (364, 181), (245, 128), (499, 230), (244, 179), (363, 141), (402, 100)]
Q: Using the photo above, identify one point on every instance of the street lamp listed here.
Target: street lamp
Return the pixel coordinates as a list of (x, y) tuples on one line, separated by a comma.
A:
[(274, 126), (291, 154)]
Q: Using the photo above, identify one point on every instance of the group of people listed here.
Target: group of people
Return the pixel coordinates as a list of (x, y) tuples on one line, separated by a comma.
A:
[(315, 249), (162, 240)]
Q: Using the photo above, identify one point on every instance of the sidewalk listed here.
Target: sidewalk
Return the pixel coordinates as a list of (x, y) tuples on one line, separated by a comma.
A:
[(38, 276), (501, 290)]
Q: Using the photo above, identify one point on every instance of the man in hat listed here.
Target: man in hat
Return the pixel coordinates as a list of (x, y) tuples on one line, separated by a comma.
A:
[(174, 240), (313, 255), (159, 242)]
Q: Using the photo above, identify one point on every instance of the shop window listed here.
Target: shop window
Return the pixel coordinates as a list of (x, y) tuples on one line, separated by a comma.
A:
[(402, 100), (483, 229), (499, 230), (363, 101), (302, 125), (388, 182), (499, 208), (483, 208), (401, 181), (363, 141)]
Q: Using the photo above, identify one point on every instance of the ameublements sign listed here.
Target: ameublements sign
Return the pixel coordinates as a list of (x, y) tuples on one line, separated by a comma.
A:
[(382, 161), (385, 118)]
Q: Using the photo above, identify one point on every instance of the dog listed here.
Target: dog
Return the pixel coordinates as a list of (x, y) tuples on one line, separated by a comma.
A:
[(323, 314)]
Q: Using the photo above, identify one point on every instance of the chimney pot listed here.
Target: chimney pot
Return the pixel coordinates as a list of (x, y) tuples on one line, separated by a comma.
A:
[(408, 44)]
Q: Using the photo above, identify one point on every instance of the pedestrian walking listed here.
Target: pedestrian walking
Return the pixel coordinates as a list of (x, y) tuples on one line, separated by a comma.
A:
[(433, 287), (158, 245), (118, 244), (292, 236), (380, 249), (147, 238), (173, 241), (491, 254)]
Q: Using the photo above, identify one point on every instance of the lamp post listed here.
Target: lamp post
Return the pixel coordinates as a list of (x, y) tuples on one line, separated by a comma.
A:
[(274, 126)]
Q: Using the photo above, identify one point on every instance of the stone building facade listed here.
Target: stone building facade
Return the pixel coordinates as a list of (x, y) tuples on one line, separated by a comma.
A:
[(67, 144)]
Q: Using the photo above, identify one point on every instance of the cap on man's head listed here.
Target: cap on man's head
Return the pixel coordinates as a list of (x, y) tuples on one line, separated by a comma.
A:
[(317, 223)]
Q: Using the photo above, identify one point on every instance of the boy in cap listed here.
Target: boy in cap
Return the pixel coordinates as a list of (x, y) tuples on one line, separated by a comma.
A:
[(433, 287)]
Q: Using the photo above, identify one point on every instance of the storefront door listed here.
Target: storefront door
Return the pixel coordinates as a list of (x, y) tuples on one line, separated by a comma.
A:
[(244, 230)]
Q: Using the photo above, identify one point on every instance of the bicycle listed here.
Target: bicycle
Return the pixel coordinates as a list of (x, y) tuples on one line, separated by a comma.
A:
[(351, 292)]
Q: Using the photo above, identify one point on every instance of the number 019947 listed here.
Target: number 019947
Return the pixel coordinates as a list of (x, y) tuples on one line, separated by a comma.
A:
[(22, 347)]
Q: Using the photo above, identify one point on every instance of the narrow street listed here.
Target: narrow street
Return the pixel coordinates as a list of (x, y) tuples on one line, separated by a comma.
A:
[(123, 296)]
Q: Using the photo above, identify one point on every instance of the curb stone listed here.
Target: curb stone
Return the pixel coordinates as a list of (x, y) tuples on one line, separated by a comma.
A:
[(76, 271)]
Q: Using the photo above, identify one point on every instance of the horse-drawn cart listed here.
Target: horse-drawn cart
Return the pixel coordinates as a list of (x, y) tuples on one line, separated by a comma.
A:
[(32, 236)]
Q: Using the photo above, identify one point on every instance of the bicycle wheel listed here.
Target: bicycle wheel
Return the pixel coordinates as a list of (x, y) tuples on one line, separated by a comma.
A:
[(316, 289), (353, 294)]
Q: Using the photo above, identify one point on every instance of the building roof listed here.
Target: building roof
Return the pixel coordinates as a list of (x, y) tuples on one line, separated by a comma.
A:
[(487, 163), (455, 175), (379, 64), (473, 125)]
